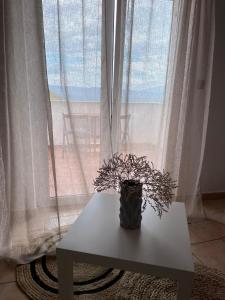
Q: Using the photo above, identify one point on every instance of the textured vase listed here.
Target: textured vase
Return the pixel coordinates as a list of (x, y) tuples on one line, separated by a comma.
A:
[(130, 204)]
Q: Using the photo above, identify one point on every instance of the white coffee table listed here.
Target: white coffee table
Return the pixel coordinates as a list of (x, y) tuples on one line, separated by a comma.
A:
[(161, 247)]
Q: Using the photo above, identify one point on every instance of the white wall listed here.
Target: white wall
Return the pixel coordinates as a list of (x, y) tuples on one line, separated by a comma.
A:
[(213, 172)]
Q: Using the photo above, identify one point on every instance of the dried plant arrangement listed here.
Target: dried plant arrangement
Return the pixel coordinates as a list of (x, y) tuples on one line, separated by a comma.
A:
[(157, 186)]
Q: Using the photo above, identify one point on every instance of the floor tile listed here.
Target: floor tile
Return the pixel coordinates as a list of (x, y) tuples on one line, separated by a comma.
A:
[(10, 291), (7, 272), (215, 210), (196, 259), (211, 254), (206, 231)]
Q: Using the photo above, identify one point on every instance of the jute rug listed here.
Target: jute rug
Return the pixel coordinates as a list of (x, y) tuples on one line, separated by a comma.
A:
[(38, 280)]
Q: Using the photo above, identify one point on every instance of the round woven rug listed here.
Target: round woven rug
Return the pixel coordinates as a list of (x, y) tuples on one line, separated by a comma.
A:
[(38, 280)]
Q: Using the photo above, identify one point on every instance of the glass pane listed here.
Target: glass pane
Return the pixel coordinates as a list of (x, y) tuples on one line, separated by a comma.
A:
[(146, 47), (73, 54)]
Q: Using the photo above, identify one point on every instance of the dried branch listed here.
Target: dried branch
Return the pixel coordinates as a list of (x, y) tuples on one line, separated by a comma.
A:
[(157, 186)]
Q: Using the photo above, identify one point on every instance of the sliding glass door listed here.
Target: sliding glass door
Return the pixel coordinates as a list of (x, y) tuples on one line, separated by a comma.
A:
[(107, 68)]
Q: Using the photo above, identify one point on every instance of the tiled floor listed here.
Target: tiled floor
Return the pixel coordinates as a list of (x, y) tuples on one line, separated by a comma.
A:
[(208, 247), (215, 210), (208, 243)]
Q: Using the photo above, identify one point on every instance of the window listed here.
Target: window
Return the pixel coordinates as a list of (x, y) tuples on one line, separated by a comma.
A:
[(74, 45)]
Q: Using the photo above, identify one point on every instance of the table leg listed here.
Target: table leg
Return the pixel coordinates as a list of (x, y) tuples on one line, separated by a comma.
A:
[(65, 276), (185, 288)]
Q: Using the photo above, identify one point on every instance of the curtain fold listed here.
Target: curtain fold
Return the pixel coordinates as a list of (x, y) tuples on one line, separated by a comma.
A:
[(107, 66), (188, 95), (118, 73), (26, 211)]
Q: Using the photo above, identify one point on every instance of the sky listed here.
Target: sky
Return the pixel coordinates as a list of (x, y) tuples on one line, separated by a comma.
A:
[(80, 41)]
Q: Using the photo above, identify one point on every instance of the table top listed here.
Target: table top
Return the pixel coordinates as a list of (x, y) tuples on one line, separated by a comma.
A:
[(158, 243)]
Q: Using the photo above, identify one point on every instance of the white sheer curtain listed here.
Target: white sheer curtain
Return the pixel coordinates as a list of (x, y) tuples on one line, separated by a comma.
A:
[(141, 60), (141, 87), (188, 97), (163, 86), (27, 216), (76, 60)]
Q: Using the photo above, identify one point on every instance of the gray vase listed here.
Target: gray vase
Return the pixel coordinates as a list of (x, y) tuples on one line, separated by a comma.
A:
[(130, 204)]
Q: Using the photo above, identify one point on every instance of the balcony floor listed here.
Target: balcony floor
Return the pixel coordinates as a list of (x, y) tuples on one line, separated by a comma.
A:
[(76, 170)]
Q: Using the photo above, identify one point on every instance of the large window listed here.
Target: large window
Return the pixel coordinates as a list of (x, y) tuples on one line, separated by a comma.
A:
[(77, 50)]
